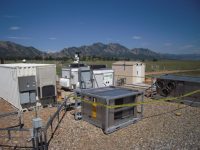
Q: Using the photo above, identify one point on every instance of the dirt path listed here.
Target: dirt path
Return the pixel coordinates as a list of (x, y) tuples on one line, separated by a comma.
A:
[(168, 72)]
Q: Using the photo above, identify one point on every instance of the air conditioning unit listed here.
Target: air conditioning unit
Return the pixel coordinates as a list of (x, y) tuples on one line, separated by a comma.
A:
[(94, 110), (175, 86)]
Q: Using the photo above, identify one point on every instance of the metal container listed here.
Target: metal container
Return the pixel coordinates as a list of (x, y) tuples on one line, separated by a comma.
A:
[(174, 86), (19, 83), (77, 77), (110, 119), (129, 71), (103, 77)]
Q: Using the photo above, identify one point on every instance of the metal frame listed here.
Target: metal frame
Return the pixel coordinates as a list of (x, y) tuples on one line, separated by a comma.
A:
[(106, 124)]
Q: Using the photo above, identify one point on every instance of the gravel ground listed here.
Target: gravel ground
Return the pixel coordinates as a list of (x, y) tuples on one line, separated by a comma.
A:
[(12, 120), (165, 126)]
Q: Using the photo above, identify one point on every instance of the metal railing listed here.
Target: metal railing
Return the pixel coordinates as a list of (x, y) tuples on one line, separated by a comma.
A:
[(33, 138)]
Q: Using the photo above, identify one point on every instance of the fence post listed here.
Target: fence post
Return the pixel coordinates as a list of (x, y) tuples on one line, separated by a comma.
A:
[(45, 139), (58, 114)]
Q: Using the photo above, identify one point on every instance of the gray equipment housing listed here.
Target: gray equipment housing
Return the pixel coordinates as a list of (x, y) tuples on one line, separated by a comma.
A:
[(27, 89), (81, 75), (174, 86), (110, 119), (85, 77)]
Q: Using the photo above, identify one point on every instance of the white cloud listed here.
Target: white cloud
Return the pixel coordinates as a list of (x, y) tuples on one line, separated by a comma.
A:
[(52, 38), (14, 28), (136, 37), (19, 38), (168, 44), (187, 46), (9, 16)]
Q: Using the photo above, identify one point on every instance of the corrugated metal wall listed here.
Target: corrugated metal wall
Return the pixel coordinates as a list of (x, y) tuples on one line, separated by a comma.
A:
[(9, 86)]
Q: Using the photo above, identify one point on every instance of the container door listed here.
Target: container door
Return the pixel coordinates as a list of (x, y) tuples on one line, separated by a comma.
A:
[(74, 77), (85, 79), (98, 80), (108, 79), (138, 73)]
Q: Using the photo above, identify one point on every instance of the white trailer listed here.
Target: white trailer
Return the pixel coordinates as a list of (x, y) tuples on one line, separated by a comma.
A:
[(23, 84)]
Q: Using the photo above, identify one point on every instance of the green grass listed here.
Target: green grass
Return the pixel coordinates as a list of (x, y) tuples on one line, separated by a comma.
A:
[(191, 73), (171, 65), (150, 65)]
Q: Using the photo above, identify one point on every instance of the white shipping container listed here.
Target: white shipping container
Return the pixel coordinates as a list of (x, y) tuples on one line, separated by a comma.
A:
[(15, 80), (9, 85)]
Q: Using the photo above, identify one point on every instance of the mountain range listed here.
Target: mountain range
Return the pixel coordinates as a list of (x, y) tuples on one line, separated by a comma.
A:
[(113, 50)]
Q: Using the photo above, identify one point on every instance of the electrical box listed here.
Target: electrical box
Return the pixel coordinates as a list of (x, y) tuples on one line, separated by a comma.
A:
[(27, 83), (95, 107), (37, 123), (103, 77)]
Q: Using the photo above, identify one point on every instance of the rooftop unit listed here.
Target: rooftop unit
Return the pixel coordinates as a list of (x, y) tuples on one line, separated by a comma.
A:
[(173, 85), (94, 110)]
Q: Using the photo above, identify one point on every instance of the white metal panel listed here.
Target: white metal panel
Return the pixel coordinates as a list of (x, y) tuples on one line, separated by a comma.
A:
[(98, 80), (108, 79), (103, 77), (65, 73), (138, 72), (26, 71), (64, 83), (9, 86), (74, 76), (46, 75), (103, 71)]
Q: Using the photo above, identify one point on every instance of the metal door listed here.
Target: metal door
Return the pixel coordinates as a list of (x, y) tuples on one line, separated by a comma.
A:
[(98, 80), (108, 79), (138, 73)]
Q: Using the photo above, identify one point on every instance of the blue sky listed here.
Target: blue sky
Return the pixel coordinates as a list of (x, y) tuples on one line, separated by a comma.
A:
[(165, 26)]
